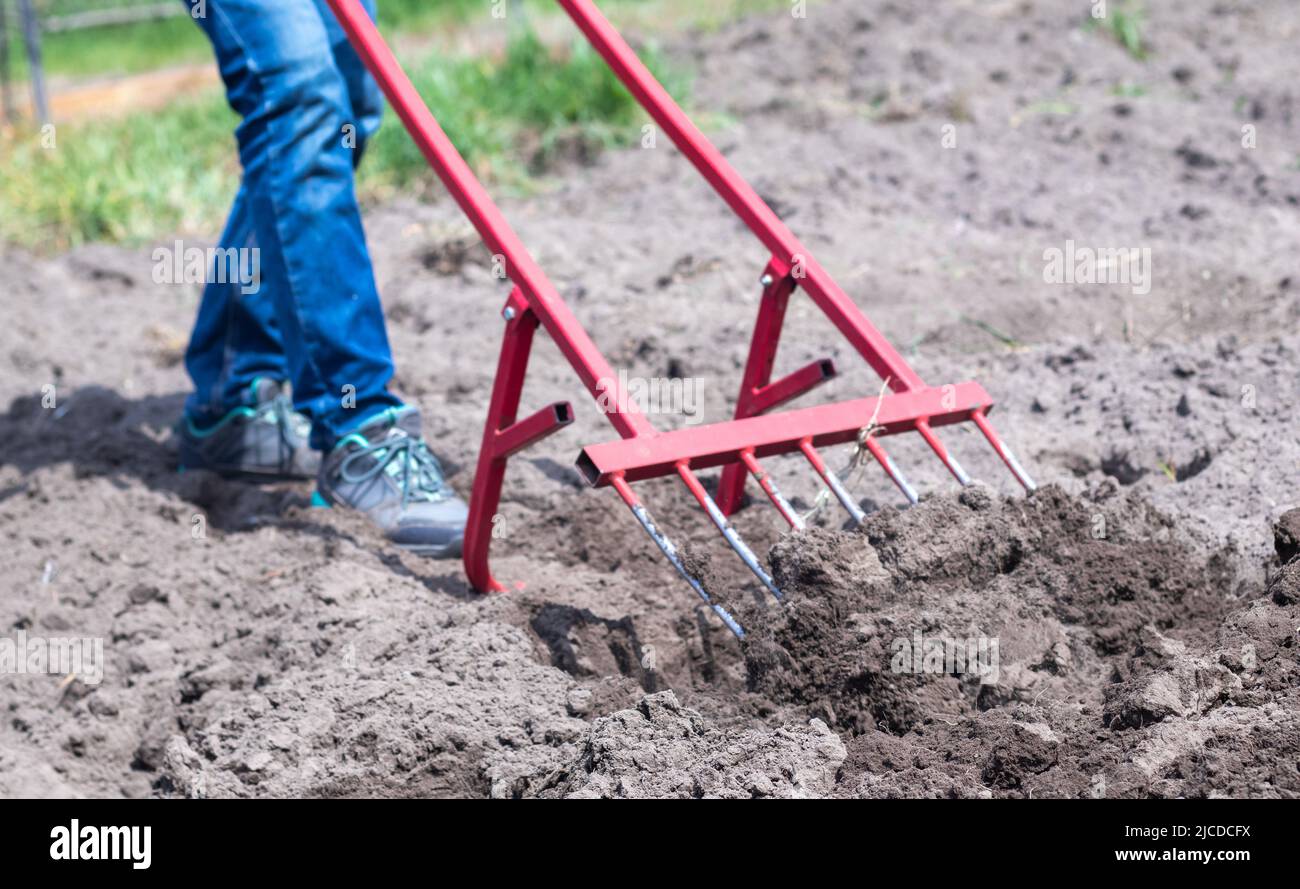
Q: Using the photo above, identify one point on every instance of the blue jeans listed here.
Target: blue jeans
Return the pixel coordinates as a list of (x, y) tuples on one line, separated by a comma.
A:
[(308, 107)]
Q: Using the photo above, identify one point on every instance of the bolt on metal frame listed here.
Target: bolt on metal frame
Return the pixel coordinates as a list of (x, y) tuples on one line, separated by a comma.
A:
[(643, 452)]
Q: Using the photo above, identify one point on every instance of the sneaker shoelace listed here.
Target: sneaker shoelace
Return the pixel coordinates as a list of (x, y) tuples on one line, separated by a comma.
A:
[(293, 426), (404, 458)]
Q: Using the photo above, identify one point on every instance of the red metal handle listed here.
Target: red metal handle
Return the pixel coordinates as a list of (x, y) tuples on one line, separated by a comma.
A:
[(554, 315)]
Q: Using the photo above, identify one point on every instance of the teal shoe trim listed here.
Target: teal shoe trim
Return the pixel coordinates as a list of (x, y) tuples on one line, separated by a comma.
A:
[(199, 432)]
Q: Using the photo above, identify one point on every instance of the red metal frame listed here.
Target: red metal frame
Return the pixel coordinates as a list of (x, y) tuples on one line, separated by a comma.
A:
[(644, 452), (758, 394)]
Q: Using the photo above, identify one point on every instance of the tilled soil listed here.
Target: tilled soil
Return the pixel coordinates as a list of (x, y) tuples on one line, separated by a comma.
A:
[(1141, 604)]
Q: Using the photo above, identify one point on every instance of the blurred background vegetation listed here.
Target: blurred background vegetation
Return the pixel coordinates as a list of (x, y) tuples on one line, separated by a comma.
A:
[(143, 145)]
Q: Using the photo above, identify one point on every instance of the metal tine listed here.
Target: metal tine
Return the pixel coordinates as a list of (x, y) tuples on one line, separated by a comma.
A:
[(670, 552), (948, 459), (1003, 451), (771, 490), (832, 481), (728, 532), (895, 474)]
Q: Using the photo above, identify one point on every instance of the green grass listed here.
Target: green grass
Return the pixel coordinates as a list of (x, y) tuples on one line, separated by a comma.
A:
[(510, 117), (409, 14), (1126, 26), (120, 49), (123, 181), (1125, 21), (150, 45), (150, 175), (1127, 90)]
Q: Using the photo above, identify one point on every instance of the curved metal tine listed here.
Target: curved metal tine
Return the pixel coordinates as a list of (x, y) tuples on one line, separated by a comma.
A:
[(937, 446), (670, 552), (728, 532), (894, 473), (832, 481), (1003, 451), (771, 490)]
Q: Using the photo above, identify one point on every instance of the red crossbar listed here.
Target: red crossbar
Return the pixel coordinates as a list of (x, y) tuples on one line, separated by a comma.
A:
[(718, 444)]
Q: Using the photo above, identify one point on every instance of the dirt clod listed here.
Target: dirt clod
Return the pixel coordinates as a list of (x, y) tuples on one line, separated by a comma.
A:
[(1286, 536), (662, 749)]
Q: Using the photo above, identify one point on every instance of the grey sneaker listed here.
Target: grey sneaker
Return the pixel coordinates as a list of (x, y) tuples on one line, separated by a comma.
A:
[(264, 439), (385, 470)]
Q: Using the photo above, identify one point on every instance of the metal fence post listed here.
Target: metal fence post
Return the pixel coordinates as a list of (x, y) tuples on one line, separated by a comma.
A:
[(6, 95), (32, 37)]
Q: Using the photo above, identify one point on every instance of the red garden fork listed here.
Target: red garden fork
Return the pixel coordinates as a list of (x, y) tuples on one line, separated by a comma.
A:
[(644, 452)]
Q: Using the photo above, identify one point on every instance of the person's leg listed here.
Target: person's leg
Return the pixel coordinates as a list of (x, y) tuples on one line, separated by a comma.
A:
[(279, 64), (364, 95), (281, 77), (235, 340)]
